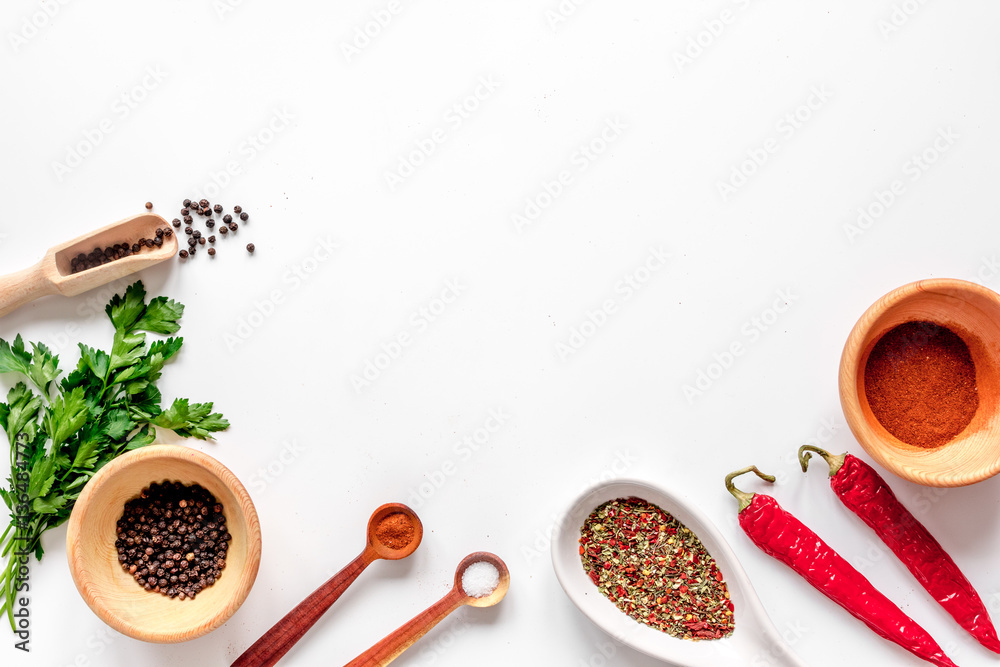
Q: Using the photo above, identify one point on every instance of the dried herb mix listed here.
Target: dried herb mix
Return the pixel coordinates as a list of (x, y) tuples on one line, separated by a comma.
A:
[(655, 570)]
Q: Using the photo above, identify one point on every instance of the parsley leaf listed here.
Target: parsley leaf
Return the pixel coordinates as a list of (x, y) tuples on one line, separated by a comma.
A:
[(66, 431)]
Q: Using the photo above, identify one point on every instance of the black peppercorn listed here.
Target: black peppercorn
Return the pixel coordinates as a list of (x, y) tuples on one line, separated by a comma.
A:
[(183, 254), (233, 226), (203, 203), (166, 232), (197, 234), (237, 209), (227, 218), (188, 219), (217, 208), (244, 216), (250, 248), (159, 232), (175, 222), (192, 241), (186, 202), (185, 211), (149, 206), (201, 240), (211, 251), (223, 230), (189, 230), (211, 239), (210, 223)]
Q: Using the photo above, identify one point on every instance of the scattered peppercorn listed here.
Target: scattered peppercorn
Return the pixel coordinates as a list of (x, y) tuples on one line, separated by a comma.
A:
[(217, 208), (250, 248), (192, 241), (201, 240), (237, 209), (197, 234), (211, 239), (185, 211), (175, 222), (183, 254), (211, 251), (188, 219), (172, 539), (244, 216), (223, 230), (227, 218), (187, 202), (203, 203), (149, 206), (233, 226)]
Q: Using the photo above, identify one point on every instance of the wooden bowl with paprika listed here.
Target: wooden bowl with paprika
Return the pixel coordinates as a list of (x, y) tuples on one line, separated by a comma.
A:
[(920, 382)]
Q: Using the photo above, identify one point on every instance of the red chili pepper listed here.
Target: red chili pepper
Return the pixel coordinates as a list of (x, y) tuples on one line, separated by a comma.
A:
[(780, 535), (865, 493)]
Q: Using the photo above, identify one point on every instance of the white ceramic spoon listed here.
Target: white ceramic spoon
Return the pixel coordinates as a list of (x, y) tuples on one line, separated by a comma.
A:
[(755, 641)]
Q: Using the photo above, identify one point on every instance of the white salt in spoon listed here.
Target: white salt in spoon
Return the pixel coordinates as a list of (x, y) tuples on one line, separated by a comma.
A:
[(53, 274), (402, 638), (754, 641)]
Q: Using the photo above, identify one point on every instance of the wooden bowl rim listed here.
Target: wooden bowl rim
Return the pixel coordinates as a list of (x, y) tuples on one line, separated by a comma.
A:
[(916, 465), (103, 477)]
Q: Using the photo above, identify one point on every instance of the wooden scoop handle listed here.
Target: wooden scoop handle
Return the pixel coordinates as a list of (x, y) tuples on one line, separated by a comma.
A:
[(17, 289), (403, 637), (276, 642)]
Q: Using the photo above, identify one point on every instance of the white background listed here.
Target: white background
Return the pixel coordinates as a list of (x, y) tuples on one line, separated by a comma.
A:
[(884, 81)]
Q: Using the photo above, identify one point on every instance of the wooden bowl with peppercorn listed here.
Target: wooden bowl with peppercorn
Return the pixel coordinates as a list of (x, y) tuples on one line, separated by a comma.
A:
[(164, 544), (920, 382)]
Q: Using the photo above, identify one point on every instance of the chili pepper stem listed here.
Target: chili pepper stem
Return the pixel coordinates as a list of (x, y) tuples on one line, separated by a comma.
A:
[(835, 461), (743, 497)]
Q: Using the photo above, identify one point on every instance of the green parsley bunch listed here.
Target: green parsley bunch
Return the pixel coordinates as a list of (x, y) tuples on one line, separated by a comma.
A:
[(63, 431)]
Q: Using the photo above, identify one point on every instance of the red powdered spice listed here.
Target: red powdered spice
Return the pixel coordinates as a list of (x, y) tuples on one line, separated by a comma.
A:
[(920, 382), (395, 530)]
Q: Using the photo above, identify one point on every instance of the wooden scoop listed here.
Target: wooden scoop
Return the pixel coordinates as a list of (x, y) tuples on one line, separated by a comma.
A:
[(403, 637), (53, 274), (267, 650)]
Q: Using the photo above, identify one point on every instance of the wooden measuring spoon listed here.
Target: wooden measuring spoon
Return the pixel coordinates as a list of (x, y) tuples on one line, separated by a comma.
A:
[(389, 648), (267, 650), (53, 274)]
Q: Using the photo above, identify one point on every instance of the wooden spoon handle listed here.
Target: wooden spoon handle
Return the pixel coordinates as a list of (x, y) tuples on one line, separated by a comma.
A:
[(17, 289), (267, 650), (403, 637)]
